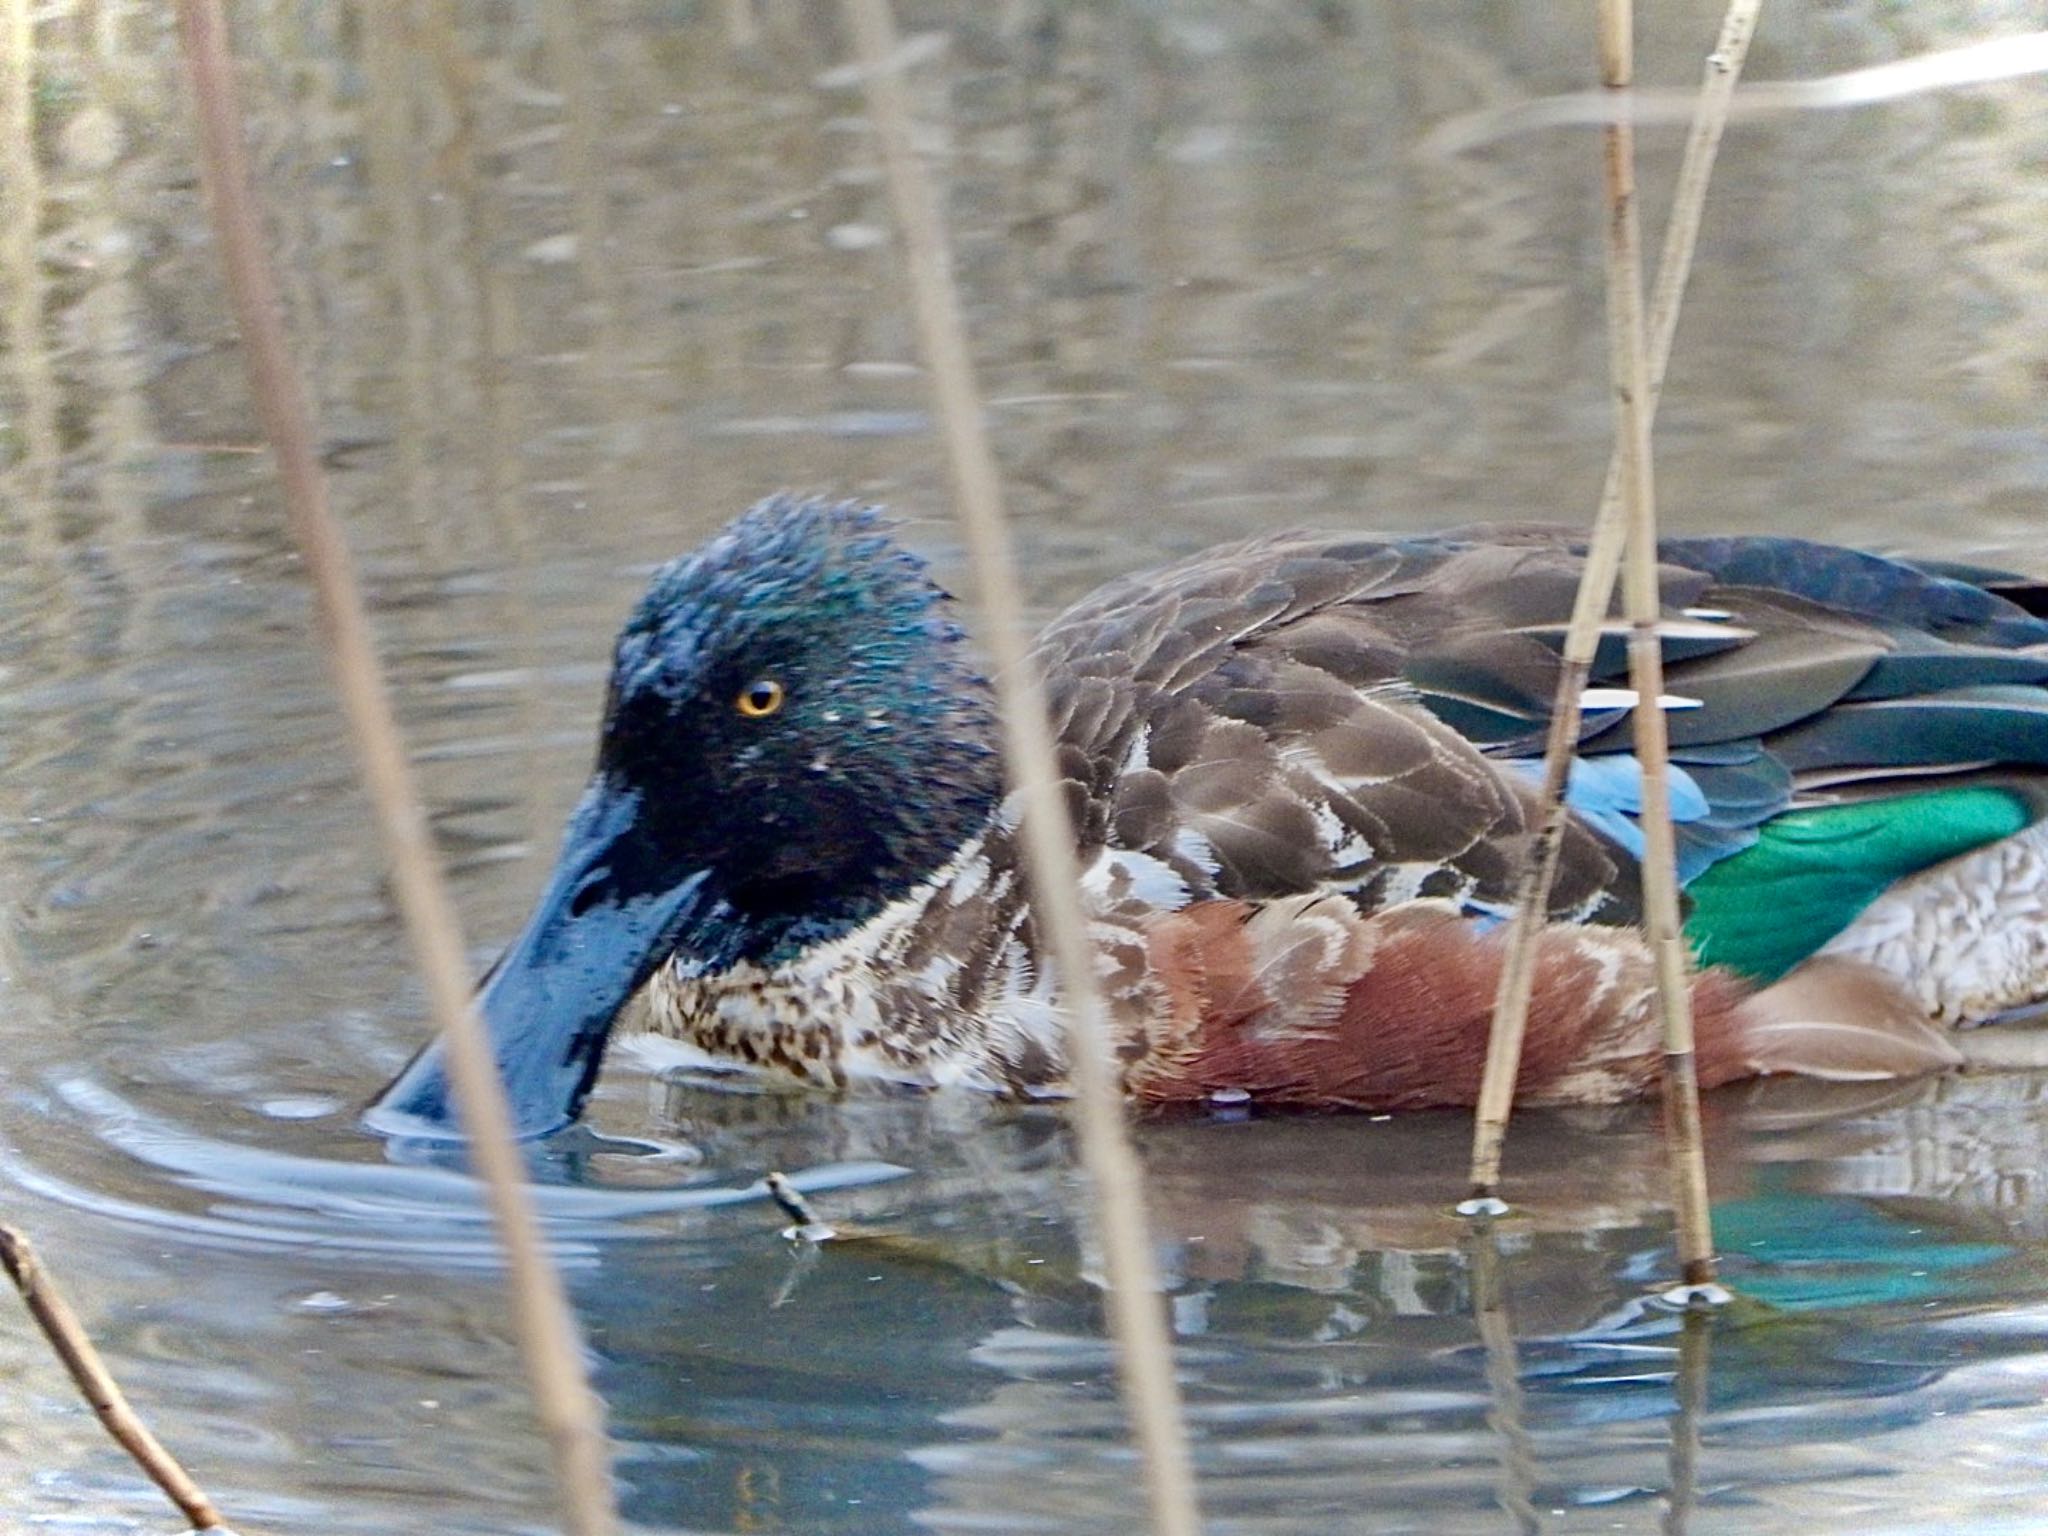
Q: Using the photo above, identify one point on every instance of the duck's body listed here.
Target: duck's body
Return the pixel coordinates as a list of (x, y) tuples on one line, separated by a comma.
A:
[(1303, 776)]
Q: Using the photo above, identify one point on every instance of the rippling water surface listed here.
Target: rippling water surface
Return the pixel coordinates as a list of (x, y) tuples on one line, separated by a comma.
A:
[(575, 283)]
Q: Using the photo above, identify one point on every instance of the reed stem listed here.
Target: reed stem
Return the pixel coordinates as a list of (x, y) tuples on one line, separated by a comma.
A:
[(1662, 920), (1589, 611), (545, 1328), (1136, 1318)]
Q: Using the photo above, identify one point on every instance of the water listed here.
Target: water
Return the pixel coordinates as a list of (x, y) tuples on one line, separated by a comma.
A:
[(575, 283)]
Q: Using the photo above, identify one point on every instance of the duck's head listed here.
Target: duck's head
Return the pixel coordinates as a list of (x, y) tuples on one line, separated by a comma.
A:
[(793, 737)]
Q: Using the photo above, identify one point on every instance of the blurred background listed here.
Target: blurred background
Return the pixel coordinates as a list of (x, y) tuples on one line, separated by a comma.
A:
[(574, 283)]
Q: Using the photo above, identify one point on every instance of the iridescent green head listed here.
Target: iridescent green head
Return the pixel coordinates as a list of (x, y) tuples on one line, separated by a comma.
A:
[(795, 736)]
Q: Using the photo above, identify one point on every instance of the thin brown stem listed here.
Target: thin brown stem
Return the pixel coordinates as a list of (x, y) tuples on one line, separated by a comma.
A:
[(74, 1348), (1630, 372), (545, 1328), (1137, 1320), (1589, 611)]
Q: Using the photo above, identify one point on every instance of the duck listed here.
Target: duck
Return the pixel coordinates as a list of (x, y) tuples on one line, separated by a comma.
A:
[(1303, 773)]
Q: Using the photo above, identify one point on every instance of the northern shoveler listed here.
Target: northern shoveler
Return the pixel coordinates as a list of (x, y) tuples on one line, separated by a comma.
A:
[(1302, 769)]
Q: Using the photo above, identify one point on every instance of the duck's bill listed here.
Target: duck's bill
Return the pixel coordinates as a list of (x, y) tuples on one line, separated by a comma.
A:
[(606, 921)]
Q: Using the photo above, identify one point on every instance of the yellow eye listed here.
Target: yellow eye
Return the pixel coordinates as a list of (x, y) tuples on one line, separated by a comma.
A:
[(760, 698)]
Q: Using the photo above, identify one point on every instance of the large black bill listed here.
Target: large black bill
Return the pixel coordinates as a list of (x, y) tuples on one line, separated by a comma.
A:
[(605, 922)]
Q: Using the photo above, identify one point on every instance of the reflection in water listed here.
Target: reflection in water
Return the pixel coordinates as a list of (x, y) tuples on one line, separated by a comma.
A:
[(1695, 1342), (576, 283), (1515, 1487)]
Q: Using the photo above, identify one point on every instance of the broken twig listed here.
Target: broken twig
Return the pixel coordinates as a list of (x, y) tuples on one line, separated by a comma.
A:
[(67, 1336)]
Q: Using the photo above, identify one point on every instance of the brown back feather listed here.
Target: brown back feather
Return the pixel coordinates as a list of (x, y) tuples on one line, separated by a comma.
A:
[(1245, 717)]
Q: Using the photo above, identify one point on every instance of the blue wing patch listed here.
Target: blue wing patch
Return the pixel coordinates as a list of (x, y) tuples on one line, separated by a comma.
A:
[(1606, 792)]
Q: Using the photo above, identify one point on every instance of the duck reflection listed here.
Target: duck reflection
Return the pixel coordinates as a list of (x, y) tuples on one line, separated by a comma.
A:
[(1349, 1349)]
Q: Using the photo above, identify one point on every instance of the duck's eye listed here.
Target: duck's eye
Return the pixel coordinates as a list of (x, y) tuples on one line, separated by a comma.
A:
[(760, 698)]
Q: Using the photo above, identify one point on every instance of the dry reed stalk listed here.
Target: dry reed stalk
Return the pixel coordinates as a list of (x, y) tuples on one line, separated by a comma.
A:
[(1662, 920), (74, 1348), (1137, 1321), (1596, 592), (544, 1326)]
